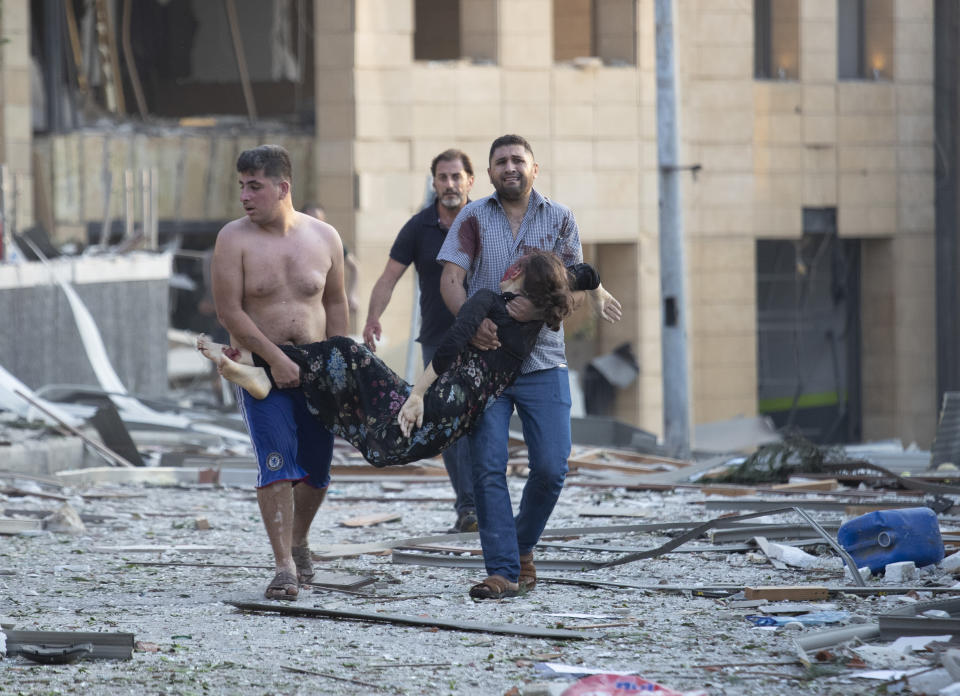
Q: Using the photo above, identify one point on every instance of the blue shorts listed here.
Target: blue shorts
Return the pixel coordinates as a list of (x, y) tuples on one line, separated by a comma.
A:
[(288, 442)]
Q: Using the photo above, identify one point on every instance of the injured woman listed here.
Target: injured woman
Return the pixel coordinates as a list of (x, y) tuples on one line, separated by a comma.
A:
[(354, 395)]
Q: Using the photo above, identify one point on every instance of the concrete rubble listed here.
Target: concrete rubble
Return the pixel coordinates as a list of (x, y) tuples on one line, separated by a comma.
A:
[(167, 559)]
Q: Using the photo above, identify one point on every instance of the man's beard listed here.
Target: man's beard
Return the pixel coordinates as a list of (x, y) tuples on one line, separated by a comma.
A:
[(450, 200), (512, 193)]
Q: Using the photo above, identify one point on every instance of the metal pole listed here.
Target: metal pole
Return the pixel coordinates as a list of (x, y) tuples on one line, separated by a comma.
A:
[(676, 416), (129, 204), (4, 212)]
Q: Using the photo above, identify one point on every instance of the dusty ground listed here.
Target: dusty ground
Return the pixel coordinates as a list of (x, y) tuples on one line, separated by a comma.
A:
[(59, 582)]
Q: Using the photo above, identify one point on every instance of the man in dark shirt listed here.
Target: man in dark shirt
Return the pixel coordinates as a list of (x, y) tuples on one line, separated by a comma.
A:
[(418, 243)]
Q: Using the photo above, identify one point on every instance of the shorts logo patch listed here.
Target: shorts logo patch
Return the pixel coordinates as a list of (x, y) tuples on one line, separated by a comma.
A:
[(274, 461)]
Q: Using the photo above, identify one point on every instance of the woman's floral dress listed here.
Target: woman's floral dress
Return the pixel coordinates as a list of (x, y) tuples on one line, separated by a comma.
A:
[(354, 395), (357, 397)]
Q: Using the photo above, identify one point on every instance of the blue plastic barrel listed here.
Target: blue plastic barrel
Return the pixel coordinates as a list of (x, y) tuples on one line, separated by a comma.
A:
[(892, 536)]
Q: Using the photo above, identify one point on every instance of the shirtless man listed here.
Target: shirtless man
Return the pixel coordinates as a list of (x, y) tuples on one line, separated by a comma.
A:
[(278, 278)]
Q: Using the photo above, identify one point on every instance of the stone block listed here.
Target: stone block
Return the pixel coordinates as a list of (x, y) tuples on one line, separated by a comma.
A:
[(16, 122), (917, 219), (723, 189), (716, 95), (861, 97), (914, 98), (867, 189), (478, 84), (616, 121), (913, 128), (712, 157), (387, 155), (901, 573), (777, 97), (617, 84), (336, 121), (383, 50), (860, 221), (819, 159), (721, 60), (915, 189), (526, 85), (723, 27), (531, 52), (710, 127), (731, 218), (908, 9), (819, 130), (574, 121), (819, 189), (866, 128), (195, 176), (390, 121), (382, 16), (573, 155), (336, 156), (777, 221), (720, 350), (571, 85), (819, 99), (915, 66), (530, 120), (616, 155), (474, 120), (516, 18), (335, 51), (818, 67), (335, 86), (386, 86), (818, 36), (729, 381), (777, 158), (866, 158), (782, 190), (335, 188), (333, 17)]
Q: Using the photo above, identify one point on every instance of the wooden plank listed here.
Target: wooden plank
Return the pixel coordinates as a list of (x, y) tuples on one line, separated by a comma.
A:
[(406, 620), (13, 526), (790, 592), (182, 548), (105, 645), (370, 520), (610, 511), (830, 484), (439, 548), (728, 491)]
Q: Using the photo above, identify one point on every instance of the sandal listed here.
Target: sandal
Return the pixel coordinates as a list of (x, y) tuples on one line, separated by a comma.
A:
[(495, 587), (304, 560), (283, 586), (528, 572)]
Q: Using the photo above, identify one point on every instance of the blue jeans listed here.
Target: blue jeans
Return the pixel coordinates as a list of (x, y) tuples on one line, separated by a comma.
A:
[(542, 400), (456, 458)]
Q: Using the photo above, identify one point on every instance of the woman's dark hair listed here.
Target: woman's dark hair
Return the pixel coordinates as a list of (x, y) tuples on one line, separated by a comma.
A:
[(546, 284)]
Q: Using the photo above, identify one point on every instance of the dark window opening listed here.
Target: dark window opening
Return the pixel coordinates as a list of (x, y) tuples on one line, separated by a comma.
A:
[(865, 39), (808, 331), (776, 32), (436, 34)]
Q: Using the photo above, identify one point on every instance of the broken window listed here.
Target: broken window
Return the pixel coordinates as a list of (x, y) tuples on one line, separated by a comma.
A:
[(605, 29), (865, 39), (808, 331), (776, 32), (436, 34)]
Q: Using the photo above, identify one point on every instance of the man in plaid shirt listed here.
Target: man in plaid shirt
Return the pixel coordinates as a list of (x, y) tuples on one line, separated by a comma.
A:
[(486, 238)]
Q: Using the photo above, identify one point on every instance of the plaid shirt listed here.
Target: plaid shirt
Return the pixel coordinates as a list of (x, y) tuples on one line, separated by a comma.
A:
[(481, 241)]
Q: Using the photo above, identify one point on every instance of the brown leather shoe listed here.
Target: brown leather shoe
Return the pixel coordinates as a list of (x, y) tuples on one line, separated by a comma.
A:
[(528, 572)]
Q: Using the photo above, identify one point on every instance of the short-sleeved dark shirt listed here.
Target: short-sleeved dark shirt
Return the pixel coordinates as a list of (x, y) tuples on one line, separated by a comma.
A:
[(418, 243)]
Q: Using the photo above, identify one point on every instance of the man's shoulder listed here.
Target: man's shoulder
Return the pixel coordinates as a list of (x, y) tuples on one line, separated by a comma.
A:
[(548, 204)]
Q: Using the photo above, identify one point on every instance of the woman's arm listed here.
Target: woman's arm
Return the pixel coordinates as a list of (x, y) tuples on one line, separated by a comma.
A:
[(412, 410)]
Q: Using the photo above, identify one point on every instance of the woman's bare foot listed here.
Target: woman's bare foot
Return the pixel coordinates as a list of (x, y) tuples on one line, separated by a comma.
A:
[(253, 379), (213, 351)]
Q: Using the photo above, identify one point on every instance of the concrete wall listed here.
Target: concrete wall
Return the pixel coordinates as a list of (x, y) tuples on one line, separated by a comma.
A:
[(195, 168), (771, 148), (128, 298), (15, 124)]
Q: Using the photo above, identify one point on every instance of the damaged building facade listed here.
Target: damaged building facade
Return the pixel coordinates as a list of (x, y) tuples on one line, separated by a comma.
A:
[(807, 144)]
